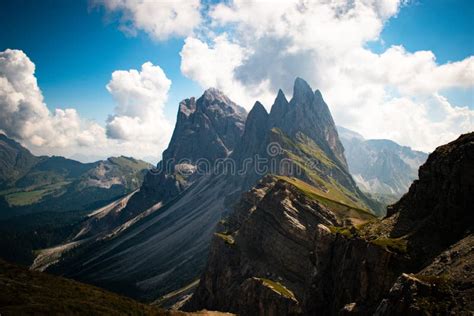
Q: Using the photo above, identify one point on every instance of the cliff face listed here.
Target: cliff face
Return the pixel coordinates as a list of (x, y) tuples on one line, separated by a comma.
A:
[(444, 286), (286, 250), (436, 211)]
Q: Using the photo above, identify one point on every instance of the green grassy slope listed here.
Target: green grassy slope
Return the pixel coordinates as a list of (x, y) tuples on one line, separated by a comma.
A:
[(312, 165)]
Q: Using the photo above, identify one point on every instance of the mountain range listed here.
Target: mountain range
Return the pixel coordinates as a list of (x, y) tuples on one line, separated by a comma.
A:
[(381, 167), (157, 239), (29, 182), (255, 213)]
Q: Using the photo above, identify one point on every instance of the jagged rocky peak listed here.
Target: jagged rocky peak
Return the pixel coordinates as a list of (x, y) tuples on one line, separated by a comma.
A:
[(254, 134), (303, 128), (279, 108), (256, 123), (209, 127), (216, 100), (281, 98), (302, 92), (308, 113), (257, 113)]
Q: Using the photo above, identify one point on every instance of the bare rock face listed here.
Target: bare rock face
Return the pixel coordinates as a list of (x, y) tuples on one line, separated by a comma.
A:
[(208, 128), (437, 210), (446, 286), (328, 262)]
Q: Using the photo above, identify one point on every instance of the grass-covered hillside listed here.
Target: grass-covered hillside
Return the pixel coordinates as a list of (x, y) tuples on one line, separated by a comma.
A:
[(312, 165)]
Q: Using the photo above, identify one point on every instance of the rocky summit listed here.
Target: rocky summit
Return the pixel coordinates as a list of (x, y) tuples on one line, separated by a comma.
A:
[(286, 250)]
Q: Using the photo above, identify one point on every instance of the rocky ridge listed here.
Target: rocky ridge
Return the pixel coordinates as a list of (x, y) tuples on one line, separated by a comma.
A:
[(284, 250)]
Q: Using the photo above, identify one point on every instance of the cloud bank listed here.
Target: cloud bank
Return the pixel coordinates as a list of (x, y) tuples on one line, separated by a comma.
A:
[(137, 128), (249, 49)]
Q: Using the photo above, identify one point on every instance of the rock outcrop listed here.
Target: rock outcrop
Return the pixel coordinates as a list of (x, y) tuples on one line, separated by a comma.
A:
[(443, 287), (321, 258)]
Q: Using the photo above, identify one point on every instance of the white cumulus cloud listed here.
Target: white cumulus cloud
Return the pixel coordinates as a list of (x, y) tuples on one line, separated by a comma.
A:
[(160, 19), (141, 97), (137, 127), (24, 114)]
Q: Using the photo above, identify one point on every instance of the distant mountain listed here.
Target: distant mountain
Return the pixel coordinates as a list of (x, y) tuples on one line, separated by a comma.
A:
[(156, 240), (29, 183), (43, 198), (15, 161), (285, 250), (380, 166)]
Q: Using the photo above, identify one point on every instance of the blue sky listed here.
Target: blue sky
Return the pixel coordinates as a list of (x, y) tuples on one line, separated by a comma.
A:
[(442, 26), (76, 47)]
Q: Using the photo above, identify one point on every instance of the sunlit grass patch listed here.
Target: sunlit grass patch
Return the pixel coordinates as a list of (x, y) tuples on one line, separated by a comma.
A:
[(394, 244), (278, 288), (227, 238)]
